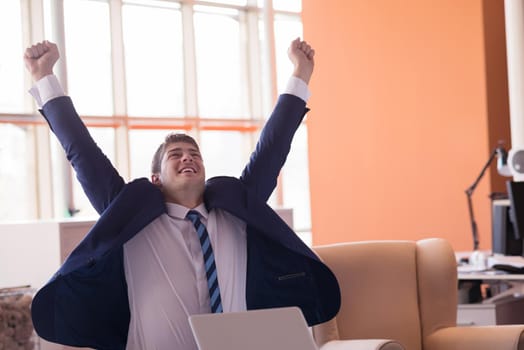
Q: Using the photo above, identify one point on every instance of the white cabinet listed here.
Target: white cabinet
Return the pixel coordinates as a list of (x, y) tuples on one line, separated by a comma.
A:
[(505, 311), (31, 252)]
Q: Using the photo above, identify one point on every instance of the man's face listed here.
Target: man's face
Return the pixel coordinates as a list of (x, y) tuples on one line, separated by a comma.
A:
[(182, 169)]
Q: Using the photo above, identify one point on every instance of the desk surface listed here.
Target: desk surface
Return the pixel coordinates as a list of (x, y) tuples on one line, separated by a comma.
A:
[(490, 275), (469, 272)]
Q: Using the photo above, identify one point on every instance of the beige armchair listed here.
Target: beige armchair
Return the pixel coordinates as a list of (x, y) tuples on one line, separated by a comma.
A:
[(406, 291)]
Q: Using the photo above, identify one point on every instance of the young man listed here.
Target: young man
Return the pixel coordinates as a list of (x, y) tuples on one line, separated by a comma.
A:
[(176, 245)]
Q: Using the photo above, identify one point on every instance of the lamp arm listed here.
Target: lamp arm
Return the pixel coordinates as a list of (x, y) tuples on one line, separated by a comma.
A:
[(469, 193), (474, 229), (471, 188)]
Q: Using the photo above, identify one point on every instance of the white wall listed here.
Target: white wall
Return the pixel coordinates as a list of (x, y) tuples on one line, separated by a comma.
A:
[(31, 252)]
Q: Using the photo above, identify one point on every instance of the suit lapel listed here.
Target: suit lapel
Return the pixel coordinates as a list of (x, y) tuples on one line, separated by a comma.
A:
[(120, 222), (229, 194)]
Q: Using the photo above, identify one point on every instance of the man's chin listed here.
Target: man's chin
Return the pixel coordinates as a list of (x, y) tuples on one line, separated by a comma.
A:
[(190, 183)]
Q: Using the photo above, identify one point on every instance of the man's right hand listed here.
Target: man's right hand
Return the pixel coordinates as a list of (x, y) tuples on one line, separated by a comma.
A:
[(40, 58), (302, 55)]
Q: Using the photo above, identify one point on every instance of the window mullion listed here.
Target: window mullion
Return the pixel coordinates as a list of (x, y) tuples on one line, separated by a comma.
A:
[(58, 37), (255, 84), (33, 32), (190, 77), (118, 72), (272, 93), (118, 58), (33, 28), (44, 178), (254, 69), (269, 28), (64, 174)]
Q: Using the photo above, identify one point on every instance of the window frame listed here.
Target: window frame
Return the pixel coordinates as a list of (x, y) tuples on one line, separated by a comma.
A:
[(260, 98)]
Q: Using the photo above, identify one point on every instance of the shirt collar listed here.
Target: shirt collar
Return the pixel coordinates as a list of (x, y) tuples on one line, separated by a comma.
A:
[(179, 211)]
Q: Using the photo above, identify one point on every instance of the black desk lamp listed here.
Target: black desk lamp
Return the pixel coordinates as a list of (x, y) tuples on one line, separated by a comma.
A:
[(501, 167)]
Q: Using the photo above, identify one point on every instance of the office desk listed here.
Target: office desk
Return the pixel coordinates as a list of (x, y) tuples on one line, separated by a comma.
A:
[(514, 282), (505, 306)]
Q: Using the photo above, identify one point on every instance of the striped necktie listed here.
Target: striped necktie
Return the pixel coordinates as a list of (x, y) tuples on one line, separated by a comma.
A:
[(209, 261)]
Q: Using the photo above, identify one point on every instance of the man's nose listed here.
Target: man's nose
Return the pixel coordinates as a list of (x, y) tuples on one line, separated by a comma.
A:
[(187, 157)]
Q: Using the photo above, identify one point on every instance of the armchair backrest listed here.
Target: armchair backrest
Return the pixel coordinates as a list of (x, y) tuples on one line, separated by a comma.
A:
[(400, 290)]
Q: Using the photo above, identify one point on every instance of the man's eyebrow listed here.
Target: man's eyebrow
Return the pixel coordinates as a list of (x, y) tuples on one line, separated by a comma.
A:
[(178, 149)]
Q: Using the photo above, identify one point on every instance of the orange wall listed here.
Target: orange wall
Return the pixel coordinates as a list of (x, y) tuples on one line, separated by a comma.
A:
[(399, 126)]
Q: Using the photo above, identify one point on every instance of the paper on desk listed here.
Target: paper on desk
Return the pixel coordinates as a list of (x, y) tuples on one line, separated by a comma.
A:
[(516, 261), (469, 268)]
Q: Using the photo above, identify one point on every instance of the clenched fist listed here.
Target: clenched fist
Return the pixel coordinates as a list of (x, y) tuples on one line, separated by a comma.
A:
[(40, 58), (302, 56)]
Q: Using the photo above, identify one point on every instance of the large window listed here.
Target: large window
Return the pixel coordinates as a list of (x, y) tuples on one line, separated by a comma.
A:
[(11, 65), (17, 181), (88, 54), (136, 70), (154, 60), (220, 59), (17, 166)]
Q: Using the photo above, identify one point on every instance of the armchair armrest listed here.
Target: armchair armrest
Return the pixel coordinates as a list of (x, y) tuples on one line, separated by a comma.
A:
[(477, 338), (362, 344)]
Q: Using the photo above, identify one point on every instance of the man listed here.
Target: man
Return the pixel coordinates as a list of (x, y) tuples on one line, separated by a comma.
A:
[(176, 245)]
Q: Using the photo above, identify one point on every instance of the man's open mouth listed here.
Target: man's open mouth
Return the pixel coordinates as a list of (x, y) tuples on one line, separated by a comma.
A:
[(187, 170)]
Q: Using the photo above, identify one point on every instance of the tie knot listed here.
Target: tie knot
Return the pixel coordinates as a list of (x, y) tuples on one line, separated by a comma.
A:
[(193, 215)]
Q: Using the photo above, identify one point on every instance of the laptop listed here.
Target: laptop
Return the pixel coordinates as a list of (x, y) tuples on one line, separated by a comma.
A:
[(275, 329)]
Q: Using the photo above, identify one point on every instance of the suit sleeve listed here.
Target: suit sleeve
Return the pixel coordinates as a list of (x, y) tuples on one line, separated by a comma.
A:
[(266, 161), (99, 179)]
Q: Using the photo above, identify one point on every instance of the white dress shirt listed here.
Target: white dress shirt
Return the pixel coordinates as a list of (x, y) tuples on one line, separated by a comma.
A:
[(163, 263), (166, 277)]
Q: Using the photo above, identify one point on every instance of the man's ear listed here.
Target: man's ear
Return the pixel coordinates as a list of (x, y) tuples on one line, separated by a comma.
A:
[(155, 179)]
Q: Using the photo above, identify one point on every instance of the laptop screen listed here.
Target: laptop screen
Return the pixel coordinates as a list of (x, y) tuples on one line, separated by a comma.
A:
[(275, 329)]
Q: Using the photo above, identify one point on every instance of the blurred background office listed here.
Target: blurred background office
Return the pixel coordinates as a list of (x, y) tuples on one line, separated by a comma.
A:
[(409, 99)]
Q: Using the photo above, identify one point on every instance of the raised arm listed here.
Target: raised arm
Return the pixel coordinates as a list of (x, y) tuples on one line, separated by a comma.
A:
[(98, 177), (260, 174)]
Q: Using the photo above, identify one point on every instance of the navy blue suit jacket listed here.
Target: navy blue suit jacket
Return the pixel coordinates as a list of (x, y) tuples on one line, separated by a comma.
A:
[(86, 303)]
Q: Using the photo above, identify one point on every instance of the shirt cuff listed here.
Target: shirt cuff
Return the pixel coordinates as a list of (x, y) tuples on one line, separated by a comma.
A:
[(46, 89), (298, 87)]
